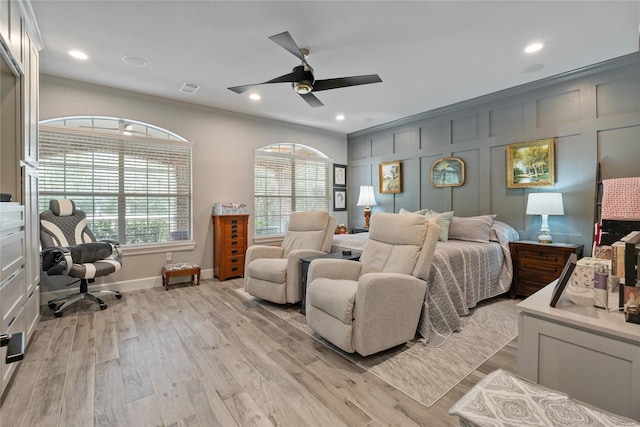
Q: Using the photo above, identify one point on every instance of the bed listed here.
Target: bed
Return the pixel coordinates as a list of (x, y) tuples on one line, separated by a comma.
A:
[(463, 273)]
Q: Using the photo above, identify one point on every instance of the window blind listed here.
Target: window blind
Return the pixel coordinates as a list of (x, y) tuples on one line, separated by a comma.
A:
[(285, 183), (135, 190)]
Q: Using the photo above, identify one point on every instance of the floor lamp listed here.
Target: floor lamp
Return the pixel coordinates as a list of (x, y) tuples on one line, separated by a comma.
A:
[(367, 200)]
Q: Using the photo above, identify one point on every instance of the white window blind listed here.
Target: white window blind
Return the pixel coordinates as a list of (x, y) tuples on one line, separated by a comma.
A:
[(288, 178), (135, 190)]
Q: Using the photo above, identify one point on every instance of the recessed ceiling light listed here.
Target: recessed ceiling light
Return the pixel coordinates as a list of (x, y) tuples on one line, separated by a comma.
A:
[(77, 54), (255, 97), (340, 117), (533, 47), (134, 61)]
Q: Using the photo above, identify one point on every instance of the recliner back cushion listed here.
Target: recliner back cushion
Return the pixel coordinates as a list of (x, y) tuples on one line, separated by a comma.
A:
[(394, 244), (306, 230)]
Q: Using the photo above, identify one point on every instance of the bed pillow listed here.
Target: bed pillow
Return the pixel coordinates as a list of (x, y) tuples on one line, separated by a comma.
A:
[(472, 228), (442, 219)]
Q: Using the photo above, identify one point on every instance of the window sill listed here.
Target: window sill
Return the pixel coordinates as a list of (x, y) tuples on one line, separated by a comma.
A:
[(133, 250)]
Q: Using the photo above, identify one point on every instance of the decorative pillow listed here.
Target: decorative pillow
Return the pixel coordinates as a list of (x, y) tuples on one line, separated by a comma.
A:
[(420, 212), (443, 220), (472, 228)]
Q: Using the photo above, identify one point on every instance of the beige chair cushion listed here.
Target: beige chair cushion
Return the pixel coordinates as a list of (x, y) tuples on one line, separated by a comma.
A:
[(395, 242), (308, 230), (269, 269), (334, 297)]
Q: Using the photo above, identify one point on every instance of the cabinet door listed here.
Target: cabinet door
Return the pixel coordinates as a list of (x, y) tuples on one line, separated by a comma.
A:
[(596, 369), (32, 228)]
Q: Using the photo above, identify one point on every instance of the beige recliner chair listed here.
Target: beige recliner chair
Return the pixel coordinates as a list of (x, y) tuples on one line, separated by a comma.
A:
[(272, 272), (374, 304)]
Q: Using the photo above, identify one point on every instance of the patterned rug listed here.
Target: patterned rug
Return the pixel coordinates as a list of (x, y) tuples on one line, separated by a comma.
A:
[(422, 372)]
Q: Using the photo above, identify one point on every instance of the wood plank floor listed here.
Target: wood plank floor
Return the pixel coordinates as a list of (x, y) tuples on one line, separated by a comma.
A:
[(200, 356)]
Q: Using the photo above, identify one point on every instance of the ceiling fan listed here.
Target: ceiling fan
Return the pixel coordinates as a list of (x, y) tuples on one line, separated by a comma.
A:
[(301, 77)]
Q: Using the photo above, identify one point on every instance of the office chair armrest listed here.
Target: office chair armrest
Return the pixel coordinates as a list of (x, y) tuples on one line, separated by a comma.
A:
[(115, 246), (56, 260)]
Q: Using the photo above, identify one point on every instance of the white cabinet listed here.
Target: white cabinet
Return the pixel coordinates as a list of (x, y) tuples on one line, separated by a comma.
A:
[(586, 352), (19, 226)]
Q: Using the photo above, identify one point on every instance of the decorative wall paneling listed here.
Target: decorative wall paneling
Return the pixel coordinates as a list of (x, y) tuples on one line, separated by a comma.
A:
[(593, 114)]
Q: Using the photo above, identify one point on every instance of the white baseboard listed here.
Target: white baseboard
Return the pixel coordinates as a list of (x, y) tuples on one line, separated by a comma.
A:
[(124, 286)]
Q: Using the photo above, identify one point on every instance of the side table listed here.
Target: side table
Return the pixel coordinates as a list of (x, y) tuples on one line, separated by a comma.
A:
[(304, 269), (356, 230)]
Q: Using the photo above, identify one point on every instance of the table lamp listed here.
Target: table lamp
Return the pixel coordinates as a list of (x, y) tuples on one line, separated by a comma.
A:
[(545, 204), (367, 200)]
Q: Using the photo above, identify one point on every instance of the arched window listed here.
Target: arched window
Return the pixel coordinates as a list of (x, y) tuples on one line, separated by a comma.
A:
[(132, 179), (288, 178)]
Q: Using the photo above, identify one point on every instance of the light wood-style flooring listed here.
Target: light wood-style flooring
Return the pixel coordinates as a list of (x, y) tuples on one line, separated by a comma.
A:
[(200, 356)]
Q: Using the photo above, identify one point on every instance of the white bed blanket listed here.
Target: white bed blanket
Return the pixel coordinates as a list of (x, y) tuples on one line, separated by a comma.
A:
[(462, 274)]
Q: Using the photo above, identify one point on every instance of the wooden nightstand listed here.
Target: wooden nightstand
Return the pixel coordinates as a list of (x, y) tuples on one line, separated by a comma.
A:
[(535, 265)]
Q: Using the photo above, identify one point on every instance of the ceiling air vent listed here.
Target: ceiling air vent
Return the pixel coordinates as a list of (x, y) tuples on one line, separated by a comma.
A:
[(189, 88)]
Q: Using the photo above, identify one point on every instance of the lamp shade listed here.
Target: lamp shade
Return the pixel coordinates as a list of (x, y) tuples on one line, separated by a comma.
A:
[(366, 197), (545, 204)]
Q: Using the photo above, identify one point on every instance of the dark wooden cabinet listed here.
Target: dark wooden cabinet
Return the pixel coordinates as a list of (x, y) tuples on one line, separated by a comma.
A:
[(535, 265), (229, 245)]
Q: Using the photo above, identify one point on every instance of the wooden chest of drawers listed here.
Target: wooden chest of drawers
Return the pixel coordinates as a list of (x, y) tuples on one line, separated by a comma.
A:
[(229, 245), (535, 265)]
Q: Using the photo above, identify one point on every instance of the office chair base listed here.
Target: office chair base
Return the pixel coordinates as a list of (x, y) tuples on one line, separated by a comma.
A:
[(58, 304)]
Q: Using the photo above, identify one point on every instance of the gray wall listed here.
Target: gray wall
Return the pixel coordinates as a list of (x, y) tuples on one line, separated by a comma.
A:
[(593, 114), (224, 145)]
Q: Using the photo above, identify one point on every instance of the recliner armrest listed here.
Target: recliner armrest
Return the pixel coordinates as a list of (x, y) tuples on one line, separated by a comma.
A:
[(262, 251), (329, 268)]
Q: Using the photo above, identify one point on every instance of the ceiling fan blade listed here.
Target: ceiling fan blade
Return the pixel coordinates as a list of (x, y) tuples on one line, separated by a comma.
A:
[(327, 84), (285, 41), (286, 78), (312, 100)]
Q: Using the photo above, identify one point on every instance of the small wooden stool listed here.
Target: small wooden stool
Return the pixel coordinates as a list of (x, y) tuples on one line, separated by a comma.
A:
[(180, 269)]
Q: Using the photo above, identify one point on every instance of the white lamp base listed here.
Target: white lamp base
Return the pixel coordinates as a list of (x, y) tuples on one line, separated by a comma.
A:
[(544, 236)]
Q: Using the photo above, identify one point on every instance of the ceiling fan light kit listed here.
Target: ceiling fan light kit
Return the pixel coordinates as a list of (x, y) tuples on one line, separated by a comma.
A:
[(301, 77)]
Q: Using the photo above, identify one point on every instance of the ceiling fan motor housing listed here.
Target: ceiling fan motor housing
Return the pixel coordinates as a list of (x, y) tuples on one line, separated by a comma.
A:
[(304, 83)]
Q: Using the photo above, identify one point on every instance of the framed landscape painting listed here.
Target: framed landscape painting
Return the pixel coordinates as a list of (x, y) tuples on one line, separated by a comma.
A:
[(390, 179), (531, 164), (447, 172)]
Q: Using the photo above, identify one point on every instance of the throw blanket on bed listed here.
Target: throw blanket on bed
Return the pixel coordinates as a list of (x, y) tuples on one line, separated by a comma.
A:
[(462, 274)]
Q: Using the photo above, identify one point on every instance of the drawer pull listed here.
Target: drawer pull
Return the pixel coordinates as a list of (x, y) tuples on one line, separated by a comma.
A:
[(234, 235), (234, 269), (14, 344), (234, 260), (234, 252), (234, 222), (234, 243)]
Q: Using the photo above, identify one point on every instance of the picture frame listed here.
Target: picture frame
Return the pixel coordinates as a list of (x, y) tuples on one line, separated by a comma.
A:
[(390, 177), (339, 199), (340, 176), (531, 164), (447, 172), (563, 279)]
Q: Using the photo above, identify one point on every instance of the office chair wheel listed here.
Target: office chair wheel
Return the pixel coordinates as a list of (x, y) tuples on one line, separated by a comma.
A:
[(52, 305), (57, 313), (103, 306), (118, 296)]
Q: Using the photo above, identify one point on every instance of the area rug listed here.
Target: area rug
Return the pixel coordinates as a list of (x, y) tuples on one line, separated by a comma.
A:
[(425, 373)]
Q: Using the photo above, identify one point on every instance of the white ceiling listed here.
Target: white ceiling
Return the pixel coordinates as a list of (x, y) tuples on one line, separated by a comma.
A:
[(429, 54)]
